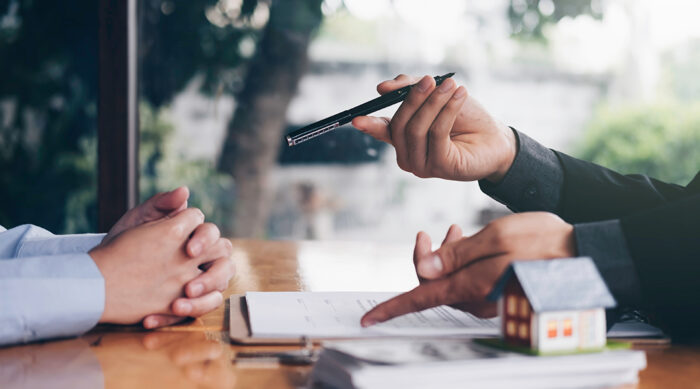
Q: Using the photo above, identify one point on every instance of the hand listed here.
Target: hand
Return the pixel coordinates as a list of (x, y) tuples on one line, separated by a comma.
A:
[(463, 271), (203, 291), (218, 273), (442, 132), (146, 269)]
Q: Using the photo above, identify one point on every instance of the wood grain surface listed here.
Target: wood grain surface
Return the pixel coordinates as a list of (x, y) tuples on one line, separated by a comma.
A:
[(198, 354)]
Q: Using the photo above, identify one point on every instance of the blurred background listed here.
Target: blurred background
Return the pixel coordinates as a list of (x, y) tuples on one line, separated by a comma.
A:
[(616, 82)]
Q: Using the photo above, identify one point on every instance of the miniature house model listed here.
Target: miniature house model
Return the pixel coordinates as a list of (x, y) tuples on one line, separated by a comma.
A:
[(553, 305)]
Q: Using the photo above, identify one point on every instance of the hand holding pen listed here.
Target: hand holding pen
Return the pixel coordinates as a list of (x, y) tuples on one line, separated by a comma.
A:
[(440, 131), (331, 123)]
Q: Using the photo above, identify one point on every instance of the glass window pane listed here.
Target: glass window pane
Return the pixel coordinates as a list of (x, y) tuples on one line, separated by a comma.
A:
[(223, 80), (48, 115)]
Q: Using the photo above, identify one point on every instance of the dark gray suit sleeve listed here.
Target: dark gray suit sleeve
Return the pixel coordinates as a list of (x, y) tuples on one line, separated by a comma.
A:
[(534, 183), (606, 244)]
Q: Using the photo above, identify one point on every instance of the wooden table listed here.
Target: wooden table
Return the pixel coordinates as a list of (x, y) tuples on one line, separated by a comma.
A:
[(199, 355)]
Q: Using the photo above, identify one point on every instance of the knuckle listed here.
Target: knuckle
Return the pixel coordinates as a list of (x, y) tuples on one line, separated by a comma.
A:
[(393, 128), (206, 283), (177, 230), (450, 291), (483, 311), (449, 257), (413, 129), (228, 245), (211, 228), (433, 133), (500, 238), (454, 104), (402, 164), (223, 285), (223, 248), (434, 170), (417, 302), (420, 174), (184, 277), (195, 213)]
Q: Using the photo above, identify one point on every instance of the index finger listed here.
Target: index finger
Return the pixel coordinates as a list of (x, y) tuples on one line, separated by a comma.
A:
[(399, 81), (419, 298)]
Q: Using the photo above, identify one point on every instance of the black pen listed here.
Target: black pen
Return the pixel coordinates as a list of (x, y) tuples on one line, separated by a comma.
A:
[(331, 123)]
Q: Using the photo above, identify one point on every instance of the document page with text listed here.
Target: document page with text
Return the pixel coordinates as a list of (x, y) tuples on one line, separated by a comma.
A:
[(337, 315)]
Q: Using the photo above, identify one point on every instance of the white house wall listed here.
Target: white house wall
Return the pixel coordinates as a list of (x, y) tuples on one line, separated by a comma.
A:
[(588, 330), (595, 337)]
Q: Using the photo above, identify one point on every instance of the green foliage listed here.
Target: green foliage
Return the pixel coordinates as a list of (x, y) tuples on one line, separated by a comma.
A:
[(660, 140), (48, 65), (48, 95), (162, 169)]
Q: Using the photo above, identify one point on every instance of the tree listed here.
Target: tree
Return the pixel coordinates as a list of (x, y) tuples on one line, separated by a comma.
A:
[(49, 89), (254, 135)]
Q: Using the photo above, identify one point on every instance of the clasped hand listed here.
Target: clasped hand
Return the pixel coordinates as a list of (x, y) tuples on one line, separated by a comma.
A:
[(162, 263)]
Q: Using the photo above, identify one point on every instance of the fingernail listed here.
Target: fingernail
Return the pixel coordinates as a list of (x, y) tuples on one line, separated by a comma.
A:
[(185, 308), (459, 93), (446, 86), (368, 322), (151, 323), (430, 267), (196, 248), (424, 84), (196, 289)]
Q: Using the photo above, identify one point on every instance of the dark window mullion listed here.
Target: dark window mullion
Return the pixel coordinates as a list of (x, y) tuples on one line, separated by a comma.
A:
[(117, 111)]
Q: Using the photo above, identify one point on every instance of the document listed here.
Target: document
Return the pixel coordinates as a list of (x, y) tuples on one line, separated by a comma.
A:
[(337, 315), (458, 363)]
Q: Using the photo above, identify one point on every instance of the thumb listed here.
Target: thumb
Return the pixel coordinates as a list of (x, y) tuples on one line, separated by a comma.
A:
[(377, 128), (455, 255), (173, 201)]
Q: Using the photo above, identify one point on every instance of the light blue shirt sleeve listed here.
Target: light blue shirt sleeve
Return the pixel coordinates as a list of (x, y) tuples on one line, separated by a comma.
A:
[(49, 285)]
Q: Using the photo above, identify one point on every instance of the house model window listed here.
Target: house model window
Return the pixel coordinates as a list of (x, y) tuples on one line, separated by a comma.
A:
[(553, 305)]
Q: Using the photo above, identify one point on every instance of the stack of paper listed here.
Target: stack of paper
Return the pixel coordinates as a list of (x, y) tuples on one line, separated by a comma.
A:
[(445, 363)]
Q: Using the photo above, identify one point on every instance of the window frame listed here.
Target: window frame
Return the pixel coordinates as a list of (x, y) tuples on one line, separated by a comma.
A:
[(117, 118)]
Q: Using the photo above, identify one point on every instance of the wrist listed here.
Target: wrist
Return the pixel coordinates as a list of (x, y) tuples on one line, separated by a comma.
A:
[(99, 256), (570, 249), (508, 147)]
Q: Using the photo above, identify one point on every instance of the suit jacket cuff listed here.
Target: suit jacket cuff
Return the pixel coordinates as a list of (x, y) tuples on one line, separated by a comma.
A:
[(605, 242), (533, 182)]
